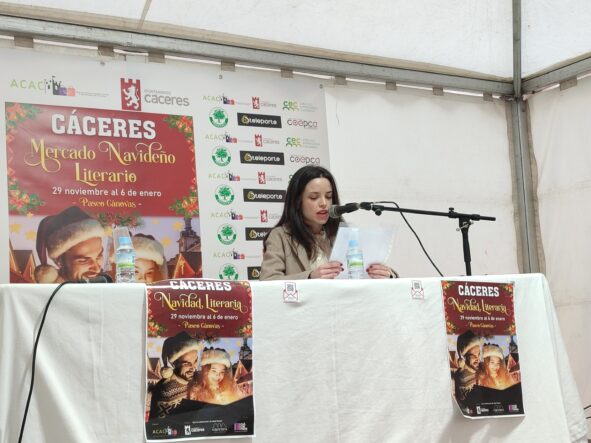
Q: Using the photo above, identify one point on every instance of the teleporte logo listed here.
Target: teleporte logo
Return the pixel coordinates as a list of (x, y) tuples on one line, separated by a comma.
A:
[(259, 120), (256, 233), (263, 195), (262, 158), (254, 272)]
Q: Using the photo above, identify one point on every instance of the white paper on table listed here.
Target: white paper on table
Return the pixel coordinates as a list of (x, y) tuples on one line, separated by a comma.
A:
[(374, 242)]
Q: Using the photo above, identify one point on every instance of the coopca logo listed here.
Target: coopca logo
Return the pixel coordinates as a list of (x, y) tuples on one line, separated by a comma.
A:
[(259, 120), (263, 195), (262, 158), (224, 195), (304, 159), (221, 156), (256, 233), (306, 124), (226, 234), (228, 272), (218, 117)]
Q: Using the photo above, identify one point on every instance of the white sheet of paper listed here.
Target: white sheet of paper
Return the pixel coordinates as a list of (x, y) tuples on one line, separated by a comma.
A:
[(375, 243)]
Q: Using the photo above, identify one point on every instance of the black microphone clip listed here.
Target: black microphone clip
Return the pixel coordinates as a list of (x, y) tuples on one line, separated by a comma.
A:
[(99, 278)]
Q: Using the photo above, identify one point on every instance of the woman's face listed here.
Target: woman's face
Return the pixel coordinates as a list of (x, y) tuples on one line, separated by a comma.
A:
[(494, 364), (316, 199), (216, 374)]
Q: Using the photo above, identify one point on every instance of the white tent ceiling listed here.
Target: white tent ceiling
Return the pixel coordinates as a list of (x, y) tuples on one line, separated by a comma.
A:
[(463, 37)]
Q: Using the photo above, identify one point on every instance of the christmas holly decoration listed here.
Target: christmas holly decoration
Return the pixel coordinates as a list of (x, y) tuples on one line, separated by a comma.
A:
[(133, 220), (155, 329), (187, 206), (183, 124), (19, 200)]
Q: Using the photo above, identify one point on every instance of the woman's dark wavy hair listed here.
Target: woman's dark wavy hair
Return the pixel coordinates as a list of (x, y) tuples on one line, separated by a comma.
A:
[(292, 218)]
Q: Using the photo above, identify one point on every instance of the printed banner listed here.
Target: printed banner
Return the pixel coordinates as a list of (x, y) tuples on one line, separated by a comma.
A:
[(75, 173), (483, 351), (196, 160), (199, 360)]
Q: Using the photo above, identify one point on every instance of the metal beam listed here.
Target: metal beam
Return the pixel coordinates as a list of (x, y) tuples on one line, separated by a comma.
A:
[(556, 76), (175, 46)]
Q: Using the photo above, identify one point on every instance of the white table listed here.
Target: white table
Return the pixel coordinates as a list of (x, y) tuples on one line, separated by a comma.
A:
[(353, 361)]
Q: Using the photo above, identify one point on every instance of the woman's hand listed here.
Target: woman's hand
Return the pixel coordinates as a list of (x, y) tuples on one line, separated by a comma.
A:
[(377, 270), (327, 270)]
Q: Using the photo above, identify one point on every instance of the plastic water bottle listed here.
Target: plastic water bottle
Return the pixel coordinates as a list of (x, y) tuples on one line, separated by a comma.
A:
[(355, 260), (125, 261)]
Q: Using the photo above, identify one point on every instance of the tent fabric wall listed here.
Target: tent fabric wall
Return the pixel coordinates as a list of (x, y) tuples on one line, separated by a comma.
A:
[(430, 153), (554, 33), (561, 133), (471, 37)]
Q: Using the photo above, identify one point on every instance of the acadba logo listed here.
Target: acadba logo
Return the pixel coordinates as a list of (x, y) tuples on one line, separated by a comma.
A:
[(224, 195), (226, 234), (218, 117), (221, 156), (228, 272)]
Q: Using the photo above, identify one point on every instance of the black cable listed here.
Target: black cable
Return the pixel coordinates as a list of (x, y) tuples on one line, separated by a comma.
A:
[(416, 235), (587, 407), (20, 437)]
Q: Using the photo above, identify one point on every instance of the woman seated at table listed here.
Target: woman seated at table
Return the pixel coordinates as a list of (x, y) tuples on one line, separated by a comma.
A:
[(494, 373), (299, 246), (215, 384)]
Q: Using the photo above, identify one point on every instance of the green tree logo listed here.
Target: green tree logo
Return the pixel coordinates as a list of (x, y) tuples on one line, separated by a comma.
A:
[(228, 272), (221, 156), (224, 195), (218, 117), (226, 234)]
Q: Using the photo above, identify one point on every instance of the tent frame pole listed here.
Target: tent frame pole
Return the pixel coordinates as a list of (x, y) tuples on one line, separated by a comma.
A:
[(522, 158)]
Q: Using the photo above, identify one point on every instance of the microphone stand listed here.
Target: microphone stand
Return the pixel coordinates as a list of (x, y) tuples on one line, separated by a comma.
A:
[(464, 220)]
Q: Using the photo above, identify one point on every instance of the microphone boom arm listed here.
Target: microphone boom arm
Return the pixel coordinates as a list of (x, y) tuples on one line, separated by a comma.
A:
[(464, 221)]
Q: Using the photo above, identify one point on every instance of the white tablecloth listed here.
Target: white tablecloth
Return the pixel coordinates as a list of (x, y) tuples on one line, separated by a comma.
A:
[(353, 361)]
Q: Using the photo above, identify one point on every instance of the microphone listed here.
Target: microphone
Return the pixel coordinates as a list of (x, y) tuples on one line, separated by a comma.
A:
[(338, 210), (99, 278)]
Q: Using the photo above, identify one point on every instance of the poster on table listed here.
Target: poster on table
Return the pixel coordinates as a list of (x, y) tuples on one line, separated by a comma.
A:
[(199, 360), (207, 156), (483, 348), (75, 173)]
